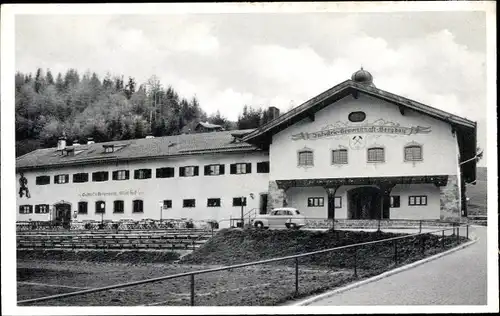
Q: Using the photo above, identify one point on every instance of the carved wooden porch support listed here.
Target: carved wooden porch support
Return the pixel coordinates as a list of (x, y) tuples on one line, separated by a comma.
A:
[(330, 191)]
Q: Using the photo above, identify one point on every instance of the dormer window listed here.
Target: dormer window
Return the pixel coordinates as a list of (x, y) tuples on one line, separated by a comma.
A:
[(108, 148), (112, 148)]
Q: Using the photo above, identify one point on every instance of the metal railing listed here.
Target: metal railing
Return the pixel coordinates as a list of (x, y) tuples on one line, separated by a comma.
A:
[(192, 274)]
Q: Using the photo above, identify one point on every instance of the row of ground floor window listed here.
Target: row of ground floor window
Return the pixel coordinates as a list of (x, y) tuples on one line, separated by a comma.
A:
[(138, 205)]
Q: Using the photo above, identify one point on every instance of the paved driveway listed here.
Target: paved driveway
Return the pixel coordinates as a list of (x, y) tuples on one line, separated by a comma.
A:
[(455, 279)]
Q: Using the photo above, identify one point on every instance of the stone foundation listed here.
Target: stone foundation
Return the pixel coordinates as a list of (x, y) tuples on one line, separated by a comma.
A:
[(276, 196), (450, 200)]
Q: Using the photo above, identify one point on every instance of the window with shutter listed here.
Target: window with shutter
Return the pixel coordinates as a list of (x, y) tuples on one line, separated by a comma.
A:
[(61, 178), (142, 174), (80, 177), (100, 176), (118, 206), (121, 175), (25, 209), (189, 171), (42, 180), (241, 168), (214, 170), (82, 207), (263, 167), (138, 206), (166, 172), (41, 209)]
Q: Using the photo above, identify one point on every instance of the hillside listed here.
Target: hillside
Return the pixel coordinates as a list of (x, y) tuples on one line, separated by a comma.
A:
[(478, 193)]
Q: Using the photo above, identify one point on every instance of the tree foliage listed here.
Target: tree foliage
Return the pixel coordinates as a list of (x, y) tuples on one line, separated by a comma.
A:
[(112, 108)]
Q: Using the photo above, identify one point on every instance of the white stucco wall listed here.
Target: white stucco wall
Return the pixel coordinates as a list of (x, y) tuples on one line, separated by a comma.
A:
[(439, 146), (153, 190), (406, 211)]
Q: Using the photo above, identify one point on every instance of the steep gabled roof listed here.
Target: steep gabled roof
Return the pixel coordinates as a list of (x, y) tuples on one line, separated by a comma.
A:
[(137, 149), (465, 129)]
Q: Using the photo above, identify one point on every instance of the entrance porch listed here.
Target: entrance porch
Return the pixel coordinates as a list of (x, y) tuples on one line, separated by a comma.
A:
[(361, 198)]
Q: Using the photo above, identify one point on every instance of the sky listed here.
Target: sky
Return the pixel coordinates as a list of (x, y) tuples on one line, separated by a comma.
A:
[(281, 59)]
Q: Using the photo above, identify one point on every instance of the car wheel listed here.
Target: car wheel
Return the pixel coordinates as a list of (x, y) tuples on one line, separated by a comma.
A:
[(292, 226), (259, 225)]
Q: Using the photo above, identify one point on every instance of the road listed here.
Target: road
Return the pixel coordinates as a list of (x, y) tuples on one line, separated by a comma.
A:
[(455, 279)]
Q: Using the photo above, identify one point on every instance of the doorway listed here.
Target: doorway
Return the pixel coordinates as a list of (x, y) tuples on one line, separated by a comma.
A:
[(364, 203), (63, 215), (263, 203)]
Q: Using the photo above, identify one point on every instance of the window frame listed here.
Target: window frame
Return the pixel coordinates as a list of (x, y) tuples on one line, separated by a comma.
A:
[(182, 171), (375, 148), (136, 203), (46, 206), (118, 210), (96, 208), (263, 167), (421, 198), (216, 204), (115, 175), (207, 170), (165, 172), (340, 150), (392, 201), (29, 207), (38, 180), (339, 199), (65, 176), (79, 178), (184, 202), (305, 151), (86, 207), (413, 145), (96, 176), (238, 201), (143, 174), (311, 201), (167, 203)]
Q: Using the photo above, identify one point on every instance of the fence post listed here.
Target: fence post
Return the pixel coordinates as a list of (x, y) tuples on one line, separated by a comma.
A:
[(442, 239), (192, 289), (378, 229), (467, 231), (458, 235), (395, 251), (355, 262), (420, 227), (296, 276)]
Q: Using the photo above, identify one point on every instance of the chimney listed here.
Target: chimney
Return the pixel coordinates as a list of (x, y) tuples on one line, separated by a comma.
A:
[(61, 143), (90, 140), (273, 112)]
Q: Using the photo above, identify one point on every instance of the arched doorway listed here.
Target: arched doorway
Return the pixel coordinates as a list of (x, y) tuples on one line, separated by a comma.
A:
[(364, 203), (62, 214)]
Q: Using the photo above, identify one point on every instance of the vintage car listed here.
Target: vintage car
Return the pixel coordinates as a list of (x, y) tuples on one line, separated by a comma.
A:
[(282, 217)]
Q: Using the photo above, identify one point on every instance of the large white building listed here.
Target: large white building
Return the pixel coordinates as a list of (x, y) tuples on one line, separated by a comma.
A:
[(352, 152)]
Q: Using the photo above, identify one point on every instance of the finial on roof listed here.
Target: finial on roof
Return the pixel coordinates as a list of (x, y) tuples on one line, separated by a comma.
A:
[(363, 76)]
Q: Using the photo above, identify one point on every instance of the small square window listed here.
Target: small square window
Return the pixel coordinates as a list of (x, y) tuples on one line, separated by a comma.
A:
[(214, 170), (339, 156), (121, 175), (100, 176), (80, 177), (189, 203), (214, 202), (239, 201), (100, 207), (118, 207), (165, 172), (306, 158), (167, 204), (61, 178), (41, 209), (376, 154), (42, 180), (316, 202), (142, 174), (338, 201), (82, 207), (138, 206), (395, 201), (263, 167), (25, 209)]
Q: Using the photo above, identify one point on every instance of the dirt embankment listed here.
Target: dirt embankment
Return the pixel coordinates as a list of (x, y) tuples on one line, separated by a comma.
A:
[(239, 246)]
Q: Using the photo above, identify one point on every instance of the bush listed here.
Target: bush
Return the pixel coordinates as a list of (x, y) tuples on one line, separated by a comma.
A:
[(189, 224)]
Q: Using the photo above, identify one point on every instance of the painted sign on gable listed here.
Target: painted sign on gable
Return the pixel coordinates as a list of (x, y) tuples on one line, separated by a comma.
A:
[(378, 127)]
